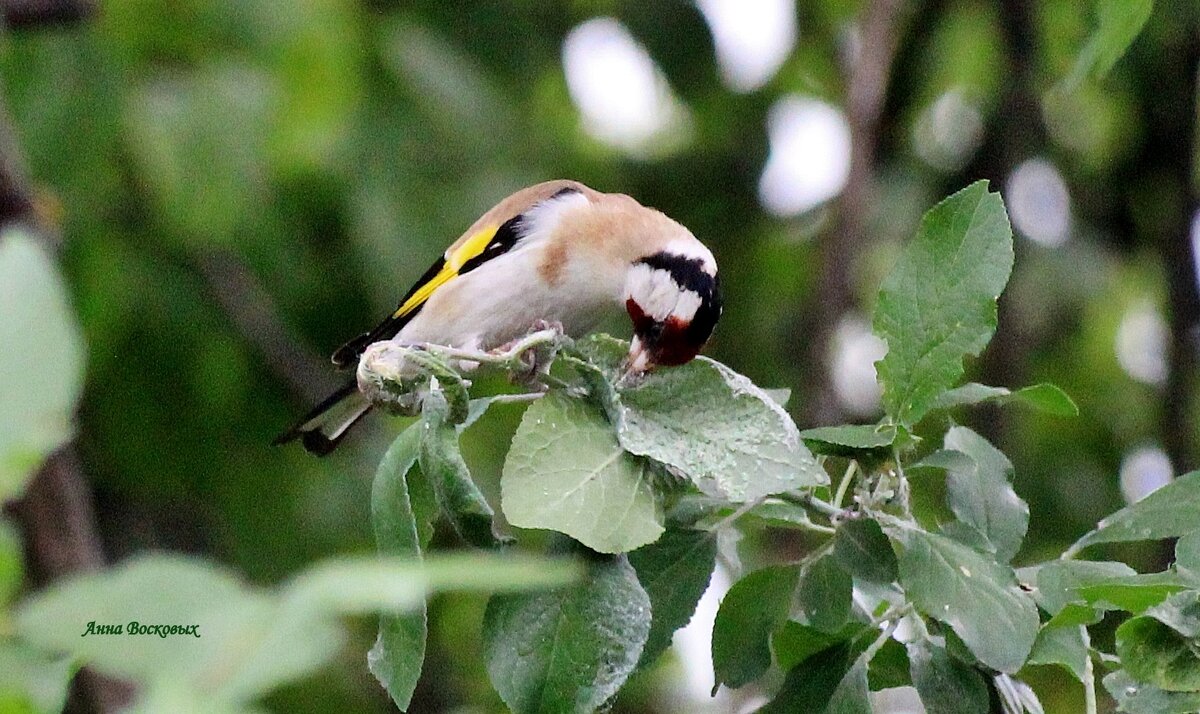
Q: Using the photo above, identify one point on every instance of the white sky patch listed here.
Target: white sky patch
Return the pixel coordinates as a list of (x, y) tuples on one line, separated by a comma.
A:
[(852, 365), (1143, 471), (623, 96), (1141, 343), (1038, 202), (693, 644), (753, 38), (809, 161)]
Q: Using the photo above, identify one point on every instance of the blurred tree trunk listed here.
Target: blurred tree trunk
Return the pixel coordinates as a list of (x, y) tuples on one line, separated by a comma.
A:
[(880, 28), (56, 514)]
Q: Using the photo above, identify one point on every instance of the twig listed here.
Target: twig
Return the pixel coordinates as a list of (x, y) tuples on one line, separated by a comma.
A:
[(252, 311), (812, 503)]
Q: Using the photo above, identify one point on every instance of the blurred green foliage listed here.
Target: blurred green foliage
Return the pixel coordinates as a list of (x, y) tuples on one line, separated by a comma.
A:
[(332, 148)]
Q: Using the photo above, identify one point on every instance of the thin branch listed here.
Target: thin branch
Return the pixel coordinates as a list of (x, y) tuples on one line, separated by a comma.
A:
[(252, 311)]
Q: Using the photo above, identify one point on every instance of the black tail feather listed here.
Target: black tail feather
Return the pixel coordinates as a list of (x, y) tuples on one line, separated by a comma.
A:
[(310, 431)]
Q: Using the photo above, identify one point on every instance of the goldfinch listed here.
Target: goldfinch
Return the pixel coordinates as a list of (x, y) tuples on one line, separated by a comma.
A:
[(557, 252)]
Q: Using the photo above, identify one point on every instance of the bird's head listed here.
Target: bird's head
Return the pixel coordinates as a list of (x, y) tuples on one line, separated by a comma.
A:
[(673, 298)]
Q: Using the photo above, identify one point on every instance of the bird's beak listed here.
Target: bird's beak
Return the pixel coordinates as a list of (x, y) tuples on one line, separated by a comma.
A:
[(638, 360)]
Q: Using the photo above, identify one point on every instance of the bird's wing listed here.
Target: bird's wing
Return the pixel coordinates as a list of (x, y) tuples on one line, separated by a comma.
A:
[(488, 242)]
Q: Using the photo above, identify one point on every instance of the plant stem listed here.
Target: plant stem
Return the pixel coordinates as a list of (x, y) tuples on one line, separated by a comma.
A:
[(840, 496), (1089, 675), (517, 398), (507, 358), (812, 503)]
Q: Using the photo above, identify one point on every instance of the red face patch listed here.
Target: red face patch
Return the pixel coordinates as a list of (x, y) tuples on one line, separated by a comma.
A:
[(668, 342)]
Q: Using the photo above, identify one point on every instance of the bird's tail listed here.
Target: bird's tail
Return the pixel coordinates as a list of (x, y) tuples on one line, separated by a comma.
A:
[(322, 429)]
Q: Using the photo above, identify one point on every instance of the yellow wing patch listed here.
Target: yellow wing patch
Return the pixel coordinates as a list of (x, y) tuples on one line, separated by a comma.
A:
[(470, 248)]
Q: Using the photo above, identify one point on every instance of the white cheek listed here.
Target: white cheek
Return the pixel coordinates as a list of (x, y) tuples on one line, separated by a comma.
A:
[(659, 296), (653, 290), (687, 305)]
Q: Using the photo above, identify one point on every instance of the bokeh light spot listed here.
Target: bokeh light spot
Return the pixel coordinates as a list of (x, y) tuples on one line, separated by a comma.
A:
[(1038, 202), (853, 354), (1143, 471), (809, 161), (753, 38), (623, 96), (1141, 343), (948, 131)]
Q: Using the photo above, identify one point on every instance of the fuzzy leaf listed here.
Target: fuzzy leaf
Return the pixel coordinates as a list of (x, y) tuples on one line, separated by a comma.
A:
[(753, 608), (1169, 512), (981, 494), (566, 472), (939, 303), (674, 570), (946, 686), (403, 526), (976, 596), (442, 463), (571, 649), (717, 428), (41, 363)]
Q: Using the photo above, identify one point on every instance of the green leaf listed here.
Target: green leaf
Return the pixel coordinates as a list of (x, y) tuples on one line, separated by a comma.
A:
[(717, 428), (1154, 653), (1168, 512), (1187, 556), (1180, 612), (41, 363), (853, 693), (810, 686), (442, 463), (863, 550), (1044, 397), (12, 563), (982, 495), (977, 597), (946, 686), (824, 592), (939, 302), (400, 530), (795, 642), (674, 570), (1059, 580), (754, 607), (566, 472), (571, 649), (1118, 24), (1132, 593), (1136, 697), (849, 439), (890, 667), (32, 682), (1065, 646)]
